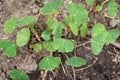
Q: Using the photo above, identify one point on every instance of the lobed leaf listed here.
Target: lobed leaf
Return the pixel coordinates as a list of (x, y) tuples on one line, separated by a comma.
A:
[(18, 75), (63, 45), (23, 37), (27, 20), (45, 35), (49, 63), (112, 35), (8, 48), (57, 31), (74, 29), (99, 7), (51, 7), (10, 25), (51, 24), (83, 30), (97, 43), (100, 36), (78, 13), (97, 29), (90, 2), (37, 47), (76, 61), (32, 28), (68, 20), (112, 8), (48, 45)]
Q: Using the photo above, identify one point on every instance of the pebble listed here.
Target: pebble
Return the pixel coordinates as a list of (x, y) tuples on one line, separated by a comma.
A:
[(35, 10), (3, 74), (31, 65), (1, 7), (1, 78), (113, 23), (0, 3)]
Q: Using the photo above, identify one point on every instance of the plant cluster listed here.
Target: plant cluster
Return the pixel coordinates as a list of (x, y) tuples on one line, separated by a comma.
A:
[(52, 37)]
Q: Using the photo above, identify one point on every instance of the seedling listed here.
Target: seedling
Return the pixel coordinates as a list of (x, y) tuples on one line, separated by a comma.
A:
[(100, 36), (53, 39)]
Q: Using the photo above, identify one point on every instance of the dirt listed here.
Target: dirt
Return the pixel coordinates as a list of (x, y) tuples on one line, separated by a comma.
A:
[(106, 66)]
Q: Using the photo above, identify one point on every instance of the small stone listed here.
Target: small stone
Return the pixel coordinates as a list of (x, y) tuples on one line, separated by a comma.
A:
[(113, 23), (35, 11), (1, 8), (26, 0), (1, 78), (3, 74), (0, 3), (31, 7)]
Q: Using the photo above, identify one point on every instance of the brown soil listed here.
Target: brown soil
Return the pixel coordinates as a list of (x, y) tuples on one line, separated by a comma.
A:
[(106, 66)]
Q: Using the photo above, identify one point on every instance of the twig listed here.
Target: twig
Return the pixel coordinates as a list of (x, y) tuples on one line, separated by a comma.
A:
[(37, 16), (63, 67), (73, 73), (74, 76), (105, 1), (26, 60), (53, 73), (6, 37), (38, 38), (83, 44), (3, 38), (116, 51), (44, 75), (116, 44)]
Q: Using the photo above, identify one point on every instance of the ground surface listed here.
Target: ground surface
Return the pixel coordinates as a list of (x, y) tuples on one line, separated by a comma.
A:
[(105, 67)]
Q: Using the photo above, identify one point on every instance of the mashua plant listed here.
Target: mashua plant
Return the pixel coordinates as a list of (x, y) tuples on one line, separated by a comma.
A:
[(52, 37)]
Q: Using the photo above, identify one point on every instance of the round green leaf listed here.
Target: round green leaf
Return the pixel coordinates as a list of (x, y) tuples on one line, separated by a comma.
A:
[(78, 13), (23, 37), (37, 47), (97, 29), (46, 35), (51, 24), (48, 45), (98, 38), (98, 43), (10, 25), (68, 20), (74, 29), (8, 48), (63, 45), (112, 35), (99, 7), (49, 63), (57, 32), (26, 20), (83, 30), (51, 6), (112, 8), (18, 75), (90, 2), (76, 61)]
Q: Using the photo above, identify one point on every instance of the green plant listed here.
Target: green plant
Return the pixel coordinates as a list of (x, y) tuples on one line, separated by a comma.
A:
[(52, 37), (100, 36), (111, 7), (18, 75)]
